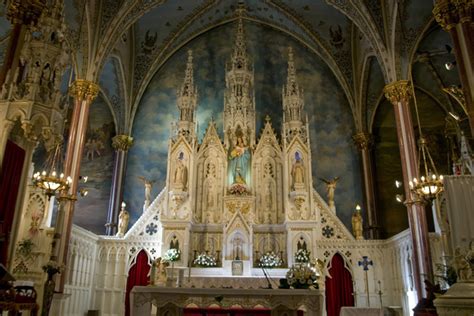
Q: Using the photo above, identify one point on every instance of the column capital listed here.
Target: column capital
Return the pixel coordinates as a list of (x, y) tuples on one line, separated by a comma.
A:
[(448, 13), (398, 91), (122, 142), (24, 12), (363, 140), (84, 89)]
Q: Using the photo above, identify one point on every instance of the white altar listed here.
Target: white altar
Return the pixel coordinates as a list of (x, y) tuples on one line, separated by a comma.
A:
[(172, 301)]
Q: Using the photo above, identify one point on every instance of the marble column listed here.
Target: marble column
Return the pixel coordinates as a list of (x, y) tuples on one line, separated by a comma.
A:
[(83, 92), (457, 18), (364, 142), (121, 144), (399, 93), (21, 14)]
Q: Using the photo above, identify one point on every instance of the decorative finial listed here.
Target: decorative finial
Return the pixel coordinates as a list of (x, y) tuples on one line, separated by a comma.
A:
[(291, 80), (268, 118)]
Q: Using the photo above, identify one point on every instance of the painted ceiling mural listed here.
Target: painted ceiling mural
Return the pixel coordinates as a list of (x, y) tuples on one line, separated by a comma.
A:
[(331, 123)]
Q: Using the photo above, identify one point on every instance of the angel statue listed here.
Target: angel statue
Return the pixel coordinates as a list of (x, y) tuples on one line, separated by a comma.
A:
[(330, 188), (148, 186)]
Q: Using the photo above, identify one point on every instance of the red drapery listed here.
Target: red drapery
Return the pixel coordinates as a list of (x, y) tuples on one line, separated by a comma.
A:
[(339, 288), (137, 275), (10, 177)]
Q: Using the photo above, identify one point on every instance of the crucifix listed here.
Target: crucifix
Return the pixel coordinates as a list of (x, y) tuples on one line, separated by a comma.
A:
[(365, 263)]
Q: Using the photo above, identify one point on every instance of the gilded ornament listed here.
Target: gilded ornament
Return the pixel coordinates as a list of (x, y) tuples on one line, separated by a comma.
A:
[(122, 142), (363, 140), (448, 13), (84, 89), (398, 91)]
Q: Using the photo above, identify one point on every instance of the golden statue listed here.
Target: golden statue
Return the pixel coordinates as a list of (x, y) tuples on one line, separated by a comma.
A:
[(357, 224)]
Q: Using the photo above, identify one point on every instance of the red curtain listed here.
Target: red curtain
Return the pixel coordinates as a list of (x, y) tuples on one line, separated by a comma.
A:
[(137, 275), (10, 177), (339, 288)]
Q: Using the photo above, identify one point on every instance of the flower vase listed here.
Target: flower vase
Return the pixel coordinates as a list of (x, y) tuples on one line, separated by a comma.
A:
[(48, 294)]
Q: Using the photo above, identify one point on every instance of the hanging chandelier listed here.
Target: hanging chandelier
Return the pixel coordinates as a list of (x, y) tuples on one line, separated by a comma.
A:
[(50, 179), (430, 183)]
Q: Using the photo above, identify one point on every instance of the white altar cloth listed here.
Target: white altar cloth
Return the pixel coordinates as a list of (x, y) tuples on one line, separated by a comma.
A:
[(284, 300)]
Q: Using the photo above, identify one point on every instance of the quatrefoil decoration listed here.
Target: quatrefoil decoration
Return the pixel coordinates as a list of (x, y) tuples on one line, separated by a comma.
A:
[(328, 231), (151, 229)]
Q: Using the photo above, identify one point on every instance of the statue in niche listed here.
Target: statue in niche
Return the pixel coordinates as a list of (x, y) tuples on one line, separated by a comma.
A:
[(357, 224), (268, 202), (209, 188), (237, 243), (148, 186), (174, 243), (180, 179), (239, 160), (124, 218), (297, 172), (301, 244), (330, 188)]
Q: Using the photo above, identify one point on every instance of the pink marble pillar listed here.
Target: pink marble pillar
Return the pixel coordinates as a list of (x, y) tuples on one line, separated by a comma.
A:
[(398, 93), (84, 93)]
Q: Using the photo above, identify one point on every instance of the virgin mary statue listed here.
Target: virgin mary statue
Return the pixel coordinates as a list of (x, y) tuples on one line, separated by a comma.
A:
[(239, 161)]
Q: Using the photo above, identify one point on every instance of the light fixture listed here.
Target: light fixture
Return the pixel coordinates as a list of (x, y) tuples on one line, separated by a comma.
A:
[(50, 179), (399, 198), (454, 116), (398, 184), (358, 208), (430, 184), (450, 65), (83, 192)]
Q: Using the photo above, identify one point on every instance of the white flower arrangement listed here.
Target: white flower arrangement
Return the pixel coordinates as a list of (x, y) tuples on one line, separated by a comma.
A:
[(205, 260), (172, 255), (302, 256), (302, 276), (270, 260)]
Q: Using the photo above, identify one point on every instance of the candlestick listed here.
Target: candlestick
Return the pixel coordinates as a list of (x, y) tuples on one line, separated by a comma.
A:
[(380, 293)]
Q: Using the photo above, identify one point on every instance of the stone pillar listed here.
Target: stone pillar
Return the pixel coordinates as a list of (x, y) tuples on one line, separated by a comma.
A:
[(84, 93), (364, 142), (398, 93), (5, 129), (456, 18), (21, 14), (122, 144)]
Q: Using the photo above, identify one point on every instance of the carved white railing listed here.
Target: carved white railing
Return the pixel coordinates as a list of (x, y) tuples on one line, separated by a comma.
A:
[(80, 272)]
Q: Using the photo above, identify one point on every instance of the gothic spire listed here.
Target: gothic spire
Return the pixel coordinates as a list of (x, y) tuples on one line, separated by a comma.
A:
[(239, 96), (239, 55), (293, 100), (187, 99)]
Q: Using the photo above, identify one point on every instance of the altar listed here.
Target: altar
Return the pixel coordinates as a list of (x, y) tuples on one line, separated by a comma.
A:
[(172, 301)]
